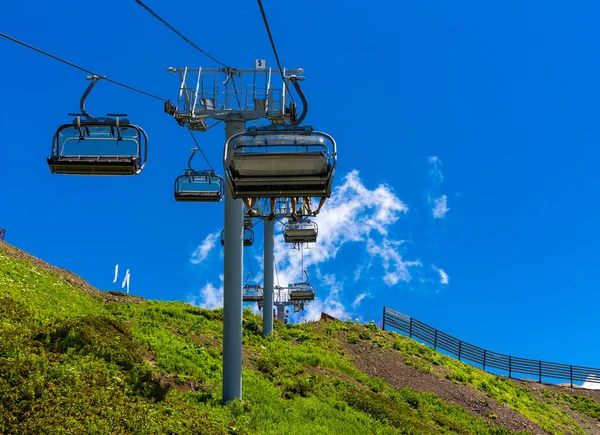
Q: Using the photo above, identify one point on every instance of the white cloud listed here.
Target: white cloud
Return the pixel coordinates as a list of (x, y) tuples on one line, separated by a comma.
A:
[(396, 269), (591, 385), (358, 272), (210, 296), (202, 251), (354, 215), (440, 207), (435, 173), (359, 299), (438, 202), (444, 278), (331, 305)]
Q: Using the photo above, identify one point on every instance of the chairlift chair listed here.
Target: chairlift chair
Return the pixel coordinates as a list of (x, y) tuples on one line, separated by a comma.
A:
[(252, 293), (280, 161), (198, 186), (248, 237), (303, 231), (98, 146), (302, 291), (201, 186)]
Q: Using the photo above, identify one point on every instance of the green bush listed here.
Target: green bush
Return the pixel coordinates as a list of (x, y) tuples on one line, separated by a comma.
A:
[(97, 335), (386, 410)]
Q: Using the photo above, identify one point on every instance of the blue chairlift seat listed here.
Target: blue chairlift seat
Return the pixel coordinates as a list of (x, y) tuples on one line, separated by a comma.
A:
[(303, 231), (199, 186), (248, 237), (100, 146), (284, 161)]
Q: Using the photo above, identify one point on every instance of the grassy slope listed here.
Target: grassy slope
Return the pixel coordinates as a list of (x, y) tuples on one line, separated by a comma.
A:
[(72, 363)]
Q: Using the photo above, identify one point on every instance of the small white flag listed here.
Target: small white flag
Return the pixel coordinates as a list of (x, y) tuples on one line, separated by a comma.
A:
[(116, 273), (126, 281)]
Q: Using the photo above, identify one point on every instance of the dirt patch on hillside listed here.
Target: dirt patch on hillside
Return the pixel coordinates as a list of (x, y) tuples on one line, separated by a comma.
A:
[(68, 277), (386, 364)]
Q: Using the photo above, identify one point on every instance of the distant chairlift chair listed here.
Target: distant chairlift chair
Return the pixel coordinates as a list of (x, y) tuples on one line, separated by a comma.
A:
[(198, 186), (248, 237), (302, 291), (253, 293), (303, 231)]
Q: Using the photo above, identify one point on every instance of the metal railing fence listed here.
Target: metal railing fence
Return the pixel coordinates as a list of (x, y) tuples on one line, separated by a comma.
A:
[(487, 359)]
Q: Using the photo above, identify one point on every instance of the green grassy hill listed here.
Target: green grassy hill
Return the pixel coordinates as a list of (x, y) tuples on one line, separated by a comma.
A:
[(77, 360)]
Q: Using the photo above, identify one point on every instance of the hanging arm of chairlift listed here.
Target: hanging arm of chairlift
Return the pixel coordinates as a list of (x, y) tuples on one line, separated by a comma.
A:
[(294, 79), (94, 79), (194, 151)]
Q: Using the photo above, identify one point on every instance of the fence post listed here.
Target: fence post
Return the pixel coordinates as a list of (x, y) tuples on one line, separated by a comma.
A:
[(510, 366), (571, 375), (383, 319), (484, 355), (540, 371), (459, 349), (410, 328), (435, 340)]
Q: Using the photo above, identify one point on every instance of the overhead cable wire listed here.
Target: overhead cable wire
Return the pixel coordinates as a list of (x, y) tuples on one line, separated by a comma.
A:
[(236, 92), (182, 36), (131, 88), (302, 254), (276, 271), (159, 18), (262, 11), (200, 149), (249, 262)]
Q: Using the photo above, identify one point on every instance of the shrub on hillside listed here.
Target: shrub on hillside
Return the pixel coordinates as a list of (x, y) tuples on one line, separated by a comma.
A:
[(383, 408), (99, 335)]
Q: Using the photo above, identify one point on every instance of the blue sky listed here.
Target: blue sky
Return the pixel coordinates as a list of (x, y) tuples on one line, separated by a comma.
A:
[(486, 113)]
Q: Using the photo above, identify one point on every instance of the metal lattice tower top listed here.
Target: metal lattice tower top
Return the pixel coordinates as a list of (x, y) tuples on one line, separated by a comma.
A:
[(2, 233), (224, 94)]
